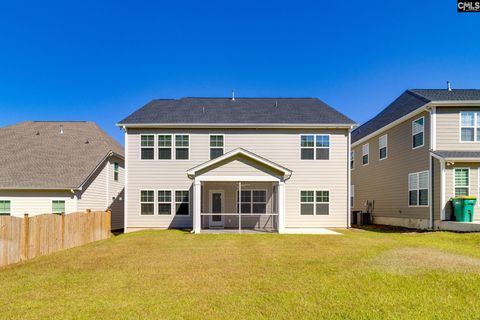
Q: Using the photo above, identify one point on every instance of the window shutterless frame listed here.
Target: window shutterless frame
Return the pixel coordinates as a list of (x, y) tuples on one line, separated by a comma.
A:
[(313, 145), (383, 147), (162, 199), (252, 202), (475, 127), (315, 202), (58, 206), (365, 154), (417, 131), (174, 195), (181, 146), (148, 145), (455, 186), (352, 160), (147, 201), (216, 147), (418, 188), (5, 207), (165, 145)]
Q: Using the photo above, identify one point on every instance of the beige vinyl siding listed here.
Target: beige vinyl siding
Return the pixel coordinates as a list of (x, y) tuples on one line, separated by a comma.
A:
[(37, 202), (116, 193), (94, 194), (386, 181), (437, 205), (448, 130), (240, 166), (450, 186), (280, 146)]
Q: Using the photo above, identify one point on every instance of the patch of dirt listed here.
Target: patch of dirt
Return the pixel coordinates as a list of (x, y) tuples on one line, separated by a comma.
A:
[(421, 260)]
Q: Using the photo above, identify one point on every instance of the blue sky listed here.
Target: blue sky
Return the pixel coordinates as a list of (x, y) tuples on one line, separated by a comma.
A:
[(101, 60)]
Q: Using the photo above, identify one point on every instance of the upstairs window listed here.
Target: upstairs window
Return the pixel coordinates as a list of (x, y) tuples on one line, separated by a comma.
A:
[(5, 208), (115, 171), (315, 147), (147, 202), (147, 143), (182, 202), (418, 185), (462, 182), (365, 152), (470, 126), (382, 147), (164, 202), (352, 160), (216, 146), (182, 147), (165, 147), (58, 206), (418, 133)]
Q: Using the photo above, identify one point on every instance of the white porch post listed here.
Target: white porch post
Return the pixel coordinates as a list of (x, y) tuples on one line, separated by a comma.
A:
[(197, 194), (281, 207)]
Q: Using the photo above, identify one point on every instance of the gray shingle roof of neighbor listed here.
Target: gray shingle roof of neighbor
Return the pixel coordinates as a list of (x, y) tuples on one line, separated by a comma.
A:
[(408, 102), (457, 154), (239, 111), (36, 155)]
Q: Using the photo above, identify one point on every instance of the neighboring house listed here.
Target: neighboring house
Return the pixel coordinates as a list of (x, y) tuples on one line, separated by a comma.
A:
[(410, 159), (54, 167), (198, 162)]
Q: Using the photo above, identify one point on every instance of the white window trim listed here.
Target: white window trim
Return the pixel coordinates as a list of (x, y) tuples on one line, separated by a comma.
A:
[(174, 199), (475, 127), (51, 203), (315, 145), (418, 190), (11, 204), (454, 182), (365, 154), (172, 147), (423, 132), (352, 196), (154, 147), (209, 145), (386, 147), (314, 203), (174, 155), (251, 201), (352, 160), (158, 203), (140, 202)]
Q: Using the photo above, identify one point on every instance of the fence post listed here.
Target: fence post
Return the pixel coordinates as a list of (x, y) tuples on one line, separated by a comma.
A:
[(63, 230), (108, 224), (26, 235)]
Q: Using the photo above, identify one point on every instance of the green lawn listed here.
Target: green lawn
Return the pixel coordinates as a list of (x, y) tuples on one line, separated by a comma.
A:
[(173, 274)]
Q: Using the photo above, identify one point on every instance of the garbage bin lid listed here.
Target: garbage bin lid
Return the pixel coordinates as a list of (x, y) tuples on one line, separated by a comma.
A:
[(464, 198)]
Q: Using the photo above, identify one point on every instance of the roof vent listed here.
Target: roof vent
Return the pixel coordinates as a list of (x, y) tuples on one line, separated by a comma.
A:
[(449, 86), (61, 129), (233, 95)]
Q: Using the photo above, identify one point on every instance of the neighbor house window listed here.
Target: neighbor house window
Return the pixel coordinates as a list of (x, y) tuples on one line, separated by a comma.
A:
[(462, 182), (115, 171), (165, 147), (253, 201), (182, 202), (147, 143), (58, 206), (418, 132), (382, 147), (216, 146), (418, 185), (181, 146), (147, 202), (5, 208), (352, 196), (315, 147), (314, 202), (352, 160), (365, 152), (164, 202), (470, 126)]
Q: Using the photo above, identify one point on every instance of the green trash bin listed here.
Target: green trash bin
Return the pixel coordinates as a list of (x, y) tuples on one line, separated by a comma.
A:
[(463, 208)]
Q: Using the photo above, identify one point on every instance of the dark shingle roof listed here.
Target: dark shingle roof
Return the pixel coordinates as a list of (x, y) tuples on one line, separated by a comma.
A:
[(457, 154), (35, 155), (238, 111), (408, 102)]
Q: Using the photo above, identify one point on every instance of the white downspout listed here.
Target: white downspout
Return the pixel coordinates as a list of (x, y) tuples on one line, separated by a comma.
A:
[(349, 177)]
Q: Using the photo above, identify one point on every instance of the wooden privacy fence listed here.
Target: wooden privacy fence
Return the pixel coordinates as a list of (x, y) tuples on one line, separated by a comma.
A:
[(30, 237)]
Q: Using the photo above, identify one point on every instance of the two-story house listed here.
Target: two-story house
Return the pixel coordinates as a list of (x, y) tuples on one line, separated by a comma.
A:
[(416, 154), (277, 165)]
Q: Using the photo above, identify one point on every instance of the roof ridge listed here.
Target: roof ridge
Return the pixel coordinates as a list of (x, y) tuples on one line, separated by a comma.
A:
[(418, 95)]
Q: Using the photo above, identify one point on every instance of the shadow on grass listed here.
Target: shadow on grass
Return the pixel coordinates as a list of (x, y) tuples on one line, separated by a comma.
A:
[(387, 229)]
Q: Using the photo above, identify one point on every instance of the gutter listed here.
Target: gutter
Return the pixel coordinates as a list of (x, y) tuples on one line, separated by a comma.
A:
[(237, 125)]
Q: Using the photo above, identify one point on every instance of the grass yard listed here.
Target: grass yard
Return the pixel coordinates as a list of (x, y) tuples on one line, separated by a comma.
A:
[(173, 274)]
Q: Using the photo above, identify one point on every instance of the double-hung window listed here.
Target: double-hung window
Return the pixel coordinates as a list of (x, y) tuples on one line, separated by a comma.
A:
[(418, 127), (314, 202), (352, 160), (382, 147), (365, 153), (462, 182), (216, 146), (115, 171), (315, 147), (147, 143), (252, 201), (470, 126), (181, 146), (5, 209), (182, 201), (164, 202), (418, 185), (58, 206), (165, 147), (147, 202)]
